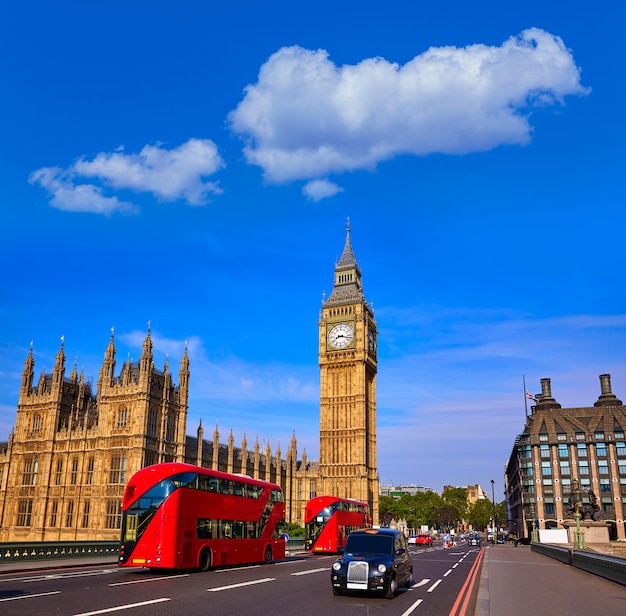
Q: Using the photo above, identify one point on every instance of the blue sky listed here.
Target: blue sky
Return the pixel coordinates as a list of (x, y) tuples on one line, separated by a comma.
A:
[(195, 166)]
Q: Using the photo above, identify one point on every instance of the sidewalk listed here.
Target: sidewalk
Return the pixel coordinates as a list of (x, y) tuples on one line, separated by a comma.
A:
[(516, 581)]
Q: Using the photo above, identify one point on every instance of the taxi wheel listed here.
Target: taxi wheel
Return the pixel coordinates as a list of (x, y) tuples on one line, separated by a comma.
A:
[(391, 591)]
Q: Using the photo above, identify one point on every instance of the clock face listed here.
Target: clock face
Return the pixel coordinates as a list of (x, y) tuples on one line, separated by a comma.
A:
[(370, 340), (340, 336)]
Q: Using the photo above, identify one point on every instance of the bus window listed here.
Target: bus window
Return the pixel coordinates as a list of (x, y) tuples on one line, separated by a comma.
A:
[(205, 529)]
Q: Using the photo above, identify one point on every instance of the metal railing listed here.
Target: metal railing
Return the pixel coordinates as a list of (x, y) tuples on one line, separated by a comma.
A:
[(55, 550)]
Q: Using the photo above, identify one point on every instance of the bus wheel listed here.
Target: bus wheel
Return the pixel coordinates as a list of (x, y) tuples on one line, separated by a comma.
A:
[(205, 559), (268, 554)]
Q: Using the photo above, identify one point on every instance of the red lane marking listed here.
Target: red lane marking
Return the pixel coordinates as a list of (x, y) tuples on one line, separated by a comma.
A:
[(466, 592)]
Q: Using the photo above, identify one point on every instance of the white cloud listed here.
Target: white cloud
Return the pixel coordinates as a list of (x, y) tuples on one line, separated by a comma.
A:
[(316, 190), (70, 197), (170, 175), (306, 117)]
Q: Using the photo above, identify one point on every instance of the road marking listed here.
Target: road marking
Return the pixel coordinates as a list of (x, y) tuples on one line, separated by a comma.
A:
[(119, 608), (310, 571), (412, 607), (217, 589), (155, 579), (56, 576), (40, 594), (422, 583), (434, 586), (447, 573)]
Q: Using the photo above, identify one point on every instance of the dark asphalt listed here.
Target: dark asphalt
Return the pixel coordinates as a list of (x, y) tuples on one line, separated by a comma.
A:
[(513, 582)]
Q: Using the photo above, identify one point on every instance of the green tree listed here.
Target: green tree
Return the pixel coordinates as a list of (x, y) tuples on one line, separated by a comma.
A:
[(457, 497), (447, 517), (293, 530), (426, 506), (480, 513)]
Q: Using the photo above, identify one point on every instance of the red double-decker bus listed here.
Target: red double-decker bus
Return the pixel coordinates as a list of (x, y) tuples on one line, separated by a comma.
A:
[(180, 516), (328, 520)]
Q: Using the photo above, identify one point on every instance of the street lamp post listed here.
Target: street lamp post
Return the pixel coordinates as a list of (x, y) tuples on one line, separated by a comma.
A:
[(534, 535), (579, 535), (495, 525)]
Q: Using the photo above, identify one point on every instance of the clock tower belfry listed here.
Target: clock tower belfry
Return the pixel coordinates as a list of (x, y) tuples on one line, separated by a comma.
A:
[(347, 360)]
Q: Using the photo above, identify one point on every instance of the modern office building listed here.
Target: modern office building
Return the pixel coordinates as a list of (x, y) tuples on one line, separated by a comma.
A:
[(562, 447)]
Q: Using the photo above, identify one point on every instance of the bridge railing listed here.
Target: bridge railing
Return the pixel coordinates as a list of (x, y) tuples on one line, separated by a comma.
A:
[(610, 567), (55, 550)]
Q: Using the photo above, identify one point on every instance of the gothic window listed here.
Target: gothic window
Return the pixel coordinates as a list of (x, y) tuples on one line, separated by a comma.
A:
[(58, 475), (152, 423), (37, 424), (122, 418), (170, 428), (86, 508), (29, 476), (24, 512), (54, 509), (117, 472), (114, 514), (312, 489), (74, 473), (69, 514), (90, 467)]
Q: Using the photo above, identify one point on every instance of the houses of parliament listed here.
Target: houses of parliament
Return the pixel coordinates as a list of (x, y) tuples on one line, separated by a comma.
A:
[(72, 449)]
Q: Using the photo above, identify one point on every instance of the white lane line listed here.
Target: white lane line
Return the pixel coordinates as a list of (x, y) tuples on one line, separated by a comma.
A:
[(217, 589), (455, 565), (155, 579), (447, 573), (412, 607), (119, 608), (57, 576), (311, 571), (434, 586), (39, 594), (422, 583)]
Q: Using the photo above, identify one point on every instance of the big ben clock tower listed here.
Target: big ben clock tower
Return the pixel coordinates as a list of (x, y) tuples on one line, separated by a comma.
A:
[(347, 359)]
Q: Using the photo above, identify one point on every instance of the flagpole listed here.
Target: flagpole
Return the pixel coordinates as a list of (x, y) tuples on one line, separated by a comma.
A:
[(525, 396)]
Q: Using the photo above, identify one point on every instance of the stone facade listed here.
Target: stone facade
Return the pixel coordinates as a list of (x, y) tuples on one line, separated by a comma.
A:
[(64, 467), (348, 365), (559, 446)]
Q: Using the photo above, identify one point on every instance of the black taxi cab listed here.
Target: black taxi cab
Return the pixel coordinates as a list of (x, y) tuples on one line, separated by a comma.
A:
[(374, 560)]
